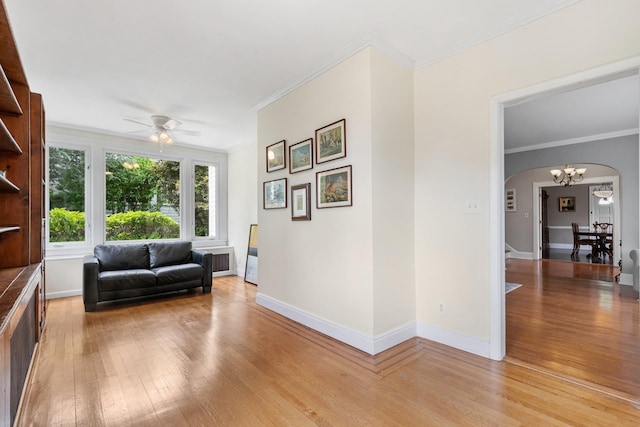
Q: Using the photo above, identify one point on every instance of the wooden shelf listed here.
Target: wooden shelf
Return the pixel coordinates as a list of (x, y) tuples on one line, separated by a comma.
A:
[(7, 141), (8, 101), (7, 186), (6, 229)]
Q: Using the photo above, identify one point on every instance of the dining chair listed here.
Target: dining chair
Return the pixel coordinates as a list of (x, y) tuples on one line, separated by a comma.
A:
[(580, 241), (605, 227)]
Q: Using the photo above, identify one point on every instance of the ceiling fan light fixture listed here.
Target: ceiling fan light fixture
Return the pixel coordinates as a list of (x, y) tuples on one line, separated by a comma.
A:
[(154, 137)]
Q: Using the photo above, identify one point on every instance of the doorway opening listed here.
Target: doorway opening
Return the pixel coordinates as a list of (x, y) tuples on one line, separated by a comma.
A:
[(497, 179)]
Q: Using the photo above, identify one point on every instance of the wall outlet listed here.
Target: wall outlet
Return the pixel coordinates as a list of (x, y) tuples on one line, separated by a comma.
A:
[(441, 307), (471, 207)]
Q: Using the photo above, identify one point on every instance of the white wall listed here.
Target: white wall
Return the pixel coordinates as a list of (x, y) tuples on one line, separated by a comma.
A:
[(243, 200), (393, 206), (452, 147), (349, 271), (322, 266)]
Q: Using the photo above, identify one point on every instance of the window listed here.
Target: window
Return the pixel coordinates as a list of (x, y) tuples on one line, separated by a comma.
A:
[(142, 198), (66, 194), (205, 186)]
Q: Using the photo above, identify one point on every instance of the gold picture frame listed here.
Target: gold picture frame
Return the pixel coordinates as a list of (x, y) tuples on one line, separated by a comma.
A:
[(567, 204)]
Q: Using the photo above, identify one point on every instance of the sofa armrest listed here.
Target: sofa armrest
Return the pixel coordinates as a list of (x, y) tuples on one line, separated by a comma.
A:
[(90, 270), (205, 259), (635, 256)]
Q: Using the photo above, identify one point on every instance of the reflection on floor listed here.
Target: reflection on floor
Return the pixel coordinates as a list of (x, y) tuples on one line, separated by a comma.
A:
[(565, 255)]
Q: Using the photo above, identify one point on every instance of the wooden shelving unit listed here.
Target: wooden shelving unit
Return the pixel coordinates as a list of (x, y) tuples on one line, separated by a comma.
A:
[(8, 101), (7, 142), (22, 189), (7, 186)]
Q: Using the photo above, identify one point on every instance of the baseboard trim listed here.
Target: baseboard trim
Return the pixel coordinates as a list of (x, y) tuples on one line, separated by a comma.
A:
[(455, 340), (561, 245), (64, 294), (512, 253), (626, 279), (369, 344)]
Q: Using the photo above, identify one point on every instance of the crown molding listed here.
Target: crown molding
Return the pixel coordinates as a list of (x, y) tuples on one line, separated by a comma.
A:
[(571, 141), (368, 40), (541, 10), (66, 129)]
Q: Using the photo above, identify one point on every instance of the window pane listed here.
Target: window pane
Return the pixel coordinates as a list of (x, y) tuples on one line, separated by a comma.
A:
[(142, 198), (205, 198), (66, 195)]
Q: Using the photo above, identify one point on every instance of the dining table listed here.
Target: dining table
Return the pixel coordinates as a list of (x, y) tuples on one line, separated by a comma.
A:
[(600, 248)]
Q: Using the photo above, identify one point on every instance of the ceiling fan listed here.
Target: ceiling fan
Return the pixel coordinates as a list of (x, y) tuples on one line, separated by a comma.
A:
[(161, 129)]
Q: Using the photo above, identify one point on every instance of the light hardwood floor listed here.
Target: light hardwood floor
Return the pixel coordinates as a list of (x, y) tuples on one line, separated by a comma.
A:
[(573, 320), (220, 359)]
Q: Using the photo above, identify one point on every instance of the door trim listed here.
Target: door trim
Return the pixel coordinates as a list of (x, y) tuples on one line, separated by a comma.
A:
[(537, 228), (497, 339)]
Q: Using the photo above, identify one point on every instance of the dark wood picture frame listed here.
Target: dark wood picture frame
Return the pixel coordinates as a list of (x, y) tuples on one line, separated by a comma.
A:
[(334, 188), (274, 195), (301, 156), (276, 156), (331, 142), (301, 202)]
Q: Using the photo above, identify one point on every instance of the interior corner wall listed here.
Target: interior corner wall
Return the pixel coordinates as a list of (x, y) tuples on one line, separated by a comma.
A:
[(393, 206), (243, 201), (453, 145), (320, 272)]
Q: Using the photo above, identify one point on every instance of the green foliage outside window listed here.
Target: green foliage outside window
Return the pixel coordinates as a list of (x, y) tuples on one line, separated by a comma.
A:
[(141, 225), (66, 226)]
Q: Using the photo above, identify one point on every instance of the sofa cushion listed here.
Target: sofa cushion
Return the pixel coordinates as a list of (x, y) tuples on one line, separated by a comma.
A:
[(178, 273), (169, 253), (122, 257), (125, 279)]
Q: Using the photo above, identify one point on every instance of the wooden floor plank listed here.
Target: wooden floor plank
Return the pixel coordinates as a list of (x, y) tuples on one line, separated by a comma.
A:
[(214, 359), (574, 320)]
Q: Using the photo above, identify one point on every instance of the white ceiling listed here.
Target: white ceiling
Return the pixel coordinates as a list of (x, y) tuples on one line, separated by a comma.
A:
[(597, 111), (212, 63)]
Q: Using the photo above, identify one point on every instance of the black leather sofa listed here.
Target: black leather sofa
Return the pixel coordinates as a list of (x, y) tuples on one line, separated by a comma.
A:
[(133, 270)]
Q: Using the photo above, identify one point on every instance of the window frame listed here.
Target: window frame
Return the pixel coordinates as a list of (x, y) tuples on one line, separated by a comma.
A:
[(192, 194), (53, 247), (95, 145), (103, 201)]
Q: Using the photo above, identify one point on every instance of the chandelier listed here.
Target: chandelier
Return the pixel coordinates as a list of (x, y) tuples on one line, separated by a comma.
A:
[(568, 175)]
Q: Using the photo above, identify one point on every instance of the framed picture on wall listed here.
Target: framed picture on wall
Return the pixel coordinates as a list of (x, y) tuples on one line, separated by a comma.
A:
[(301, 156), (301, 202), (510, 200), (275, 194), (567, 204), (331, 142), (276, 156), (333, 188)]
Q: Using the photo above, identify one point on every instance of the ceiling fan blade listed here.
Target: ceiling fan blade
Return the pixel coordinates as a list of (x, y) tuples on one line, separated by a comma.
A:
[(138, 122), (187, 132), (171, 124)]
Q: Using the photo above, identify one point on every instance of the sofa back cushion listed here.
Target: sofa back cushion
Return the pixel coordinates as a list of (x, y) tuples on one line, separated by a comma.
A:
[(169, 253), (122, 257)]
